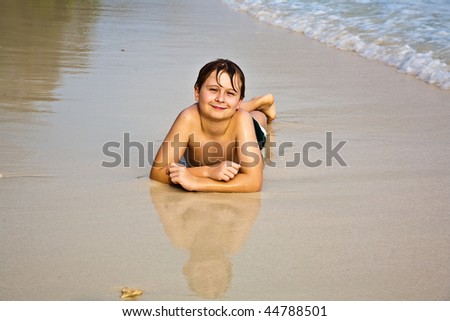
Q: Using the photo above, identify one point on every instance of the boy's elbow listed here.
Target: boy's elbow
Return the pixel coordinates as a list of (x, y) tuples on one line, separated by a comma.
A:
[(152, 174), (253, 182), (158, 174), (255, 186), (253, 190)]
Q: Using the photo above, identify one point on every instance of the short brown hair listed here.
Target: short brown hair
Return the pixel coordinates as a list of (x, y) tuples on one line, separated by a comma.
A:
[(221, 65)]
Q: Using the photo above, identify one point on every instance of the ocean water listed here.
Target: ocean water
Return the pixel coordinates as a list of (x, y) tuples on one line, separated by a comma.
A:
[(412, 36)]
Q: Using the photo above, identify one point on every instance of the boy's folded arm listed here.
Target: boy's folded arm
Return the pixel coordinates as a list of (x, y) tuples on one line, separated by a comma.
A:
[(243, 182), (200, 171), (222, 171), (248, 179), (172, 148), (159, 174)]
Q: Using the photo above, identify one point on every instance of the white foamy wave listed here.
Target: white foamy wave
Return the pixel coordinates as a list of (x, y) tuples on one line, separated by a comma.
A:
[(374, 32)]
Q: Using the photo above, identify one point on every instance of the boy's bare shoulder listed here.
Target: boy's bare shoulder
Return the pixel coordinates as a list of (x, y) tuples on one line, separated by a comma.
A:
[(242, 122), (241, 116), (189, 113)]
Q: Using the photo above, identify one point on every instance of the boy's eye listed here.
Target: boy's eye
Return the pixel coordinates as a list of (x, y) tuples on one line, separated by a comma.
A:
[(213, 89), (231, 93)]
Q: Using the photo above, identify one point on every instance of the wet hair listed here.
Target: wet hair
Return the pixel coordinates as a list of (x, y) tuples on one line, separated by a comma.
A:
[(220, 66)]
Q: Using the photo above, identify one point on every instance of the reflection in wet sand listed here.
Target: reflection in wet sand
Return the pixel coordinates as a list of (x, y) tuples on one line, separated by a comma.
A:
[(38, 39), (212, 227)]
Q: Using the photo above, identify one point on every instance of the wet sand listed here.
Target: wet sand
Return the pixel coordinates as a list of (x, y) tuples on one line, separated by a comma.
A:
[(77, 76)]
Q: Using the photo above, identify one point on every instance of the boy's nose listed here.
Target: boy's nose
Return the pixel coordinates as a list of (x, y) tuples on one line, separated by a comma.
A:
[(220, 97)]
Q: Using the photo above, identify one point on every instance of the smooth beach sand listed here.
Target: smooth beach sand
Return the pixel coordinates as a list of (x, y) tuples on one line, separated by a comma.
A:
[(77, 76)]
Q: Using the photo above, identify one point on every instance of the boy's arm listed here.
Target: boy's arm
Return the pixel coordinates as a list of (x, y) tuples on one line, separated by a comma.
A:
[(172, 148), (249, 178), (224, 171)]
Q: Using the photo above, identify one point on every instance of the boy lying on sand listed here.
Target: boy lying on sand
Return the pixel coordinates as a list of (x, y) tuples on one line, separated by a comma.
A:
[(214, 145)]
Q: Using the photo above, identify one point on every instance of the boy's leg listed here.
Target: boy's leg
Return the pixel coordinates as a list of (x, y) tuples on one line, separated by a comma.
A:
[(260, 128), (264, 104)]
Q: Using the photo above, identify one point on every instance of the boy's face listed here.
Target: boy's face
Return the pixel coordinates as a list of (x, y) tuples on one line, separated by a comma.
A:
[(218, 100)]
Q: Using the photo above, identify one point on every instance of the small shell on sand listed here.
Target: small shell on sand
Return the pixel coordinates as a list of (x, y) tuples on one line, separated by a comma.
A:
[(130, 293)]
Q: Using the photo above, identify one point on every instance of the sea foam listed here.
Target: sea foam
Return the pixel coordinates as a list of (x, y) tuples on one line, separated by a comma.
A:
[(412, 36)]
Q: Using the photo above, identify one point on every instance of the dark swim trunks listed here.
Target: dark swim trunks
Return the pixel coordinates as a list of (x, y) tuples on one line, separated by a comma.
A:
[(260, 134)]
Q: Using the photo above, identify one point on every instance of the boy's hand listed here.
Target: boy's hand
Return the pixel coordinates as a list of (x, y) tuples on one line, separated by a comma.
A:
[(180, 175), (225, 171)]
